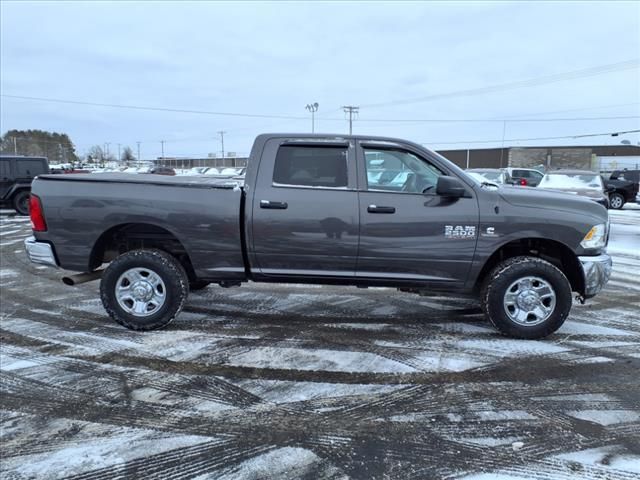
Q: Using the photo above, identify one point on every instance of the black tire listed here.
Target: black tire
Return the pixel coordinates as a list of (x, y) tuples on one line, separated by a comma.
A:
[(175, 285), (512, 270), (21, 202), (198, 285), (616, 201)]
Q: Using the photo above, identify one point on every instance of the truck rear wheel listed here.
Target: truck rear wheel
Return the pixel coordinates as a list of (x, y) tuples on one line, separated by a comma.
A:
[(144, 289), (616, 201), (526, 297), (21, 202)]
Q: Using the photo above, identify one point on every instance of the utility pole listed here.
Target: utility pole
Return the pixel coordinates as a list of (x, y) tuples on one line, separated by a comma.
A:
[(313, 108), (138, 151), (119, 157), (351, 110), (106, 149), (162, 144), (221, 132), (15, 146)]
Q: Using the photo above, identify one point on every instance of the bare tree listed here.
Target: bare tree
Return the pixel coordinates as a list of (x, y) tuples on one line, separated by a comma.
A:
[(127, 155), (96, 155)]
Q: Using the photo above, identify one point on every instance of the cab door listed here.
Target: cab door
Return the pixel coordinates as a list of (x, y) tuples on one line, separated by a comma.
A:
[(407, 231), (6, 177), (305, 209)]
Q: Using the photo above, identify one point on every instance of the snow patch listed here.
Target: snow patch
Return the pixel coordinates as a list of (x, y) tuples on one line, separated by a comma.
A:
[(606, 417), (320, 359)]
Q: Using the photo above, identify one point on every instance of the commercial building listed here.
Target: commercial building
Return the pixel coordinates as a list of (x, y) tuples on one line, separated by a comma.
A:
[(594, 157)]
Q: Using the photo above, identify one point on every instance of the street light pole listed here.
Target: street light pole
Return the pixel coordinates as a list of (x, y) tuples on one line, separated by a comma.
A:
[(162, 144), (313, 108), (222, 132), (138, 151)]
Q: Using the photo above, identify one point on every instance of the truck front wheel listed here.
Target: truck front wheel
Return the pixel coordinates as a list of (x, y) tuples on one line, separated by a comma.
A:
[(144, 289), (526, 297)]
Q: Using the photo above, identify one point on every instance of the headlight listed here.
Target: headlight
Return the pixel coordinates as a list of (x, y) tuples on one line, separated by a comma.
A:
[(596, 237)]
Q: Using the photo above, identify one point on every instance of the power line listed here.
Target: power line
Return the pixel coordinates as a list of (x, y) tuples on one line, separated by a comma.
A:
[(285, 117), (156, 109), (536, 138), (489, 120), (582, 109), (558, 77)]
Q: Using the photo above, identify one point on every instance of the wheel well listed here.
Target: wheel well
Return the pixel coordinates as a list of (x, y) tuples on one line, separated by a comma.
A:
[(132, 236), (17, 191), (554, 252)]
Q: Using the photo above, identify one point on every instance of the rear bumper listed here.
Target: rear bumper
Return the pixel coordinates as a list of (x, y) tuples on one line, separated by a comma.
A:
[(40, 252), (596, 271)]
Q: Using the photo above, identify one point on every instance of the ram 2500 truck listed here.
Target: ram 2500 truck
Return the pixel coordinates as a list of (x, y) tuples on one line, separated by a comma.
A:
[(348, 210)]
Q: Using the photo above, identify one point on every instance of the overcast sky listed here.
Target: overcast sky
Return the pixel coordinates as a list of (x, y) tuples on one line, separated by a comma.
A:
[(396, 60)]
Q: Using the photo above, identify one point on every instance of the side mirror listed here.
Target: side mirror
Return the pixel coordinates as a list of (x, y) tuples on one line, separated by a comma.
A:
[(450, 187)]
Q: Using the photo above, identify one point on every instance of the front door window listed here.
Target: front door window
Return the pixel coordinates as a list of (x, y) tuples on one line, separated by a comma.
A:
[(399, 171)]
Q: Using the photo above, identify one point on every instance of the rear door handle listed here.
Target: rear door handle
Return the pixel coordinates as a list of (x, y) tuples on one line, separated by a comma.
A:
[(377, 209), (273, 205)]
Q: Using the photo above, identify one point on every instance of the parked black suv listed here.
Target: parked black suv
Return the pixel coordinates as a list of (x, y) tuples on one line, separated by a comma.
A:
[(622, 186), (16, 175)]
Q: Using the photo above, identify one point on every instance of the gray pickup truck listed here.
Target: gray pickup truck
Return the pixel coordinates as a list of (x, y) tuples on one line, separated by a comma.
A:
[(347, 210)]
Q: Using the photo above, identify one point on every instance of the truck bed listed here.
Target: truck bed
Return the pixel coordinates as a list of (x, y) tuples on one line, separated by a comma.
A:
[(199, 181), (202, 213)]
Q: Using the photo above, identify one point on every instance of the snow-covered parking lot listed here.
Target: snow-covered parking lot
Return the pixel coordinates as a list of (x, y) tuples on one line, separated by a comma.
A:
[(265, 381)]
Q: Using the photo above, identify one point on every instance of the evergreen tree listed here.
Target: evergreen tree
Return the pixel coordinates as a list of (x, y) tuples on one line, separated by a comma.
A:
[(57, 147)]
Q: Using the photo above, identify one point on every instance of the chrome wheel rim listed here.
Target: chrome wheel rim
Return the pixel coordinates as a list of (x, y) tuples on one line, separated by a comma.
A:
[(140, 292), (529, 301), (616, 202)]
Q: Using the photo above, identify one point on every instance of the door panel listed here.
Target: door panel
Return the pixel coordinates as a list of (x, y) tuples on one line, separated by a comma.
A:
[(310, 228), (415, 242), (408, 234)]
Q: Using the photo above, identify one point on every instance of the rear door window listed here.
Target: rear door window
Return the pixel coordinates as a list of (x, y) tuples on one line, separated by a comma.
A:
[(311, 166), (28, 167), (5, 169)]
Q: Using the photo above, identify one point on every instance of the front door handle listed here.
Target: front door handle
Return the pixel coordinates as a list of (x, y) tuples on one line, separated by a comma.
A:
[(273, 205), (377, 209)]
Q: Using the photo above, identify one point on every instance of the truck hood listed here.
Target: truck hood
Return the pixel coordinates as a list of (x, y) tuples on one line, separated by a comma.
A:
[(552, 200), (583, 192)]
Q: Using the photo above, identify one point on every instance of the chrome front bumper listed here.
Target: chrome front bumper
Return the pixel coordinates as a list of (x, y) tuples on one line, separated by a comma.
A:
[(40, 252), (596, 270)]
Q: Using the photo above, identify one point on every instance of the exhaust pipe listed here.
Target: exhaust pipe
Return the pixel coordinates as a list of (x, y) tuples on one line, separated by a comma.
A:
[(79, 278)]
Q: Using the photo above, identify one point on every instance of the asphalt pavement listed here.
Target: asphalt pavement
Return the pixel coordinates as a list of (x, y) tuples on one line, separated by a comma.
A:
[(310, 382)]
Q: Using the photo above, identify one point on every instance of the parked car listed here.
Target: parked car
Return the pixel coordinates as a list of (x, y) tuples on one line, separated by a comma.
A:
[(232, 171), (528, 177), (211, 171), (305, 213), (622, 186), (16, 175), (162, 171), (578, 182), (498, 176)]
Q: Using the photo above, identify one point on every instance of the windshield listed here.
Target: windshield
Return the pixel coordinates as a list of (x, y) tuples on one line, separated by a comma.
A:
[(582, 181)]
